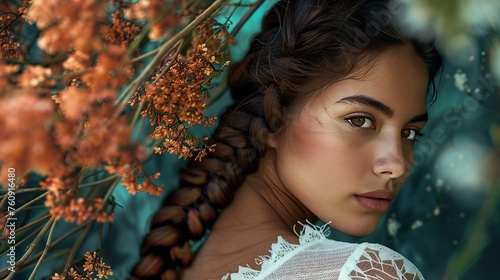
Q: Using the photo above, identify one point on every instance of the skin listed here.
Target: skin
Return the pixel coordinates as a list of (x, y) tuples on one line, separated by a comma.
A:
[(336, 146)]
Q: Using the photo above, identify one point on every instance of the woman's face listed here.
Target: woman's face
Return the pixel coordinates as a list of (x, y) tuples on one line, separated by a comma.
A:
[(347, 152)]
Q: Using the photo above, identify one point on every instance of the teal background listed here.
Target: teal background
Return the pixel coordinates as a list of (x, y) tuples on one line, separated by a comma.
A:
[(436, 208)]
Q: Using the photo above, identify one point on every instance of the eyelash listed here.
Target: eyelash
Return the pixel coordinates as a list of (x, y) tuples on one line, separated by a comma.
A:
[(416, 137)]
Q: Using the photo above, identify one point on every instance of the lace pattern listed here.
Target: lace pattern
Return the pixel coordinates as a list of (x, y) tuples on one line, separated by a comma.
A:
[(281, 251), (316, 257), (374, 262)]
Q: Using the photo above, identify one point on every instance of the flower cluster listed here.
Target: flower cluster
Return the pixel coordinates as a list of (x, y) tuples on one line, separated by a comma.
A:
[(9, 47), (63, 203), (93, 268), (135, 179), (176, 97), (122, 31)]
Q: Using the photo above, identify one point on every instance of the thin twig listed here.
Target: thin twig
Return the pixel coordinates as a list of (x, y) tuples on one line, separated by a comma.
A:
[(174, 59), (61, 239), (53, 254), (110, 190), (245, 17), (27, 204), (45, 251), (32, 223), (31, 247), (144, 56), (75, 247), (18, 243), (4, 199), (109, 178), (135, 118)]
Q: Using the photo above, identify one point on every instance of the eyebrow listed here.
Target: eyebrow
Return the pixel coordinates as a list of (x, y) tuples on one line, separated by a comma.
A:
[(379, 106)]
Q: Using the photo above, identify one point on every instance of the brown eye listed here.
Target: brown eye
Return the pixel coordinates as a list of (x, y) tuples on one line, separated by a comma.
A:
[(362, 122), (410, 134)]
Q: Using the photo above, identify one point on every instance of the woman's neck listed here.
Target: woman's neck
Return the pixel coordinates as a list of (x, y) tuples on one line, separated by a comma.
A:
[(262, 202), (261, 210)]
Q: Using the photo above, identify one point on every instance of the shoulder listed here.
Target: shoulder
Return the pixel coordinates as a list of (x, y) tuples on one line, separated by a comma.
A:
[(316, 257)]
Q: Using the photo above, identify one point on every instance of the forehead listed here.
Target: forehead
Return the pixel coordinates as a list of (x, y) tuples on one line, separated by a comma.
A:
[(398, 77)]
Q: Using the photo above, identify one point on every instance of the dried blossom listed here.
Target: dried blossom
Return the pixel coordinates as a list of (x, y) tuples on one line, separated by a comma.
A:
[(23, 10), (122, 31), (35, 76), (6, 71), (9, 48), (110, 70), (74, 102), (77, 61), (95, 264), (25, 138), (68, 25), (132, 174), (93, 268), (63, 203)]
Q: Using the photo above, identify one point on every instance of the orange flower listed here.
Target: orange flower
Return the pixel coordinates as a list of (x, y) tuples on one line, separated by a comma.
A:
[(9, 48), (5, 71), (122, 31), (77, 61), (25, 138), (74, 102), (35, 76)]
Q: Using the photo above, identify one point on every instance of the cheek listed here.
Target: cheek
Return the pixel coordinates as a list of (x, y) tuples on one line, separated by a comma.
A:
[(323, 159)]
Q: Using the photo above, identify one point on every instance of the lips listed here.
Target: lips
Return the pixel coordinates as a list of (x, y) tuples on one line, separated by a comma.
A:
[(379, 200)]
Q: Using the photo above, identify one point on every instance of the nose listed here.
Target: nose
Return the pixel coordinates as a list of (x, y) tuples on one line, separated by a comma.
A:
[(389, 157)]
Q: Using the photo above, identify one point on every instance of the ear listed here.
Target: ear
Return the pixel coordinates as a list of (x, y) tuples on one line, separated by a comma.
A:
[(273, 140)]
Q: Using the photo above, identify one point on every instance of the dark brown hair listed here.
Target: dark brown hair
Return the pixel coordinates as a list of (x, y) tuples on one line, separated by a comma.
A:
[(304, 47)]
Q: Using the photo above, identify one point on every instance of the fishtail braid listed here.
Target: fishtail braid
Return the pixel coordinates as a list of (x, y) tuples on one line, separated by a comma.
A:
[(205, 187)]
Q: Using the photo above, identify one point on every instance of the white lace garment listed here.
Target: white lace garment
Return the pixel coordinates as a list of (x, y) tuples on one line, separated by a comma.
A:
[(316, 257)]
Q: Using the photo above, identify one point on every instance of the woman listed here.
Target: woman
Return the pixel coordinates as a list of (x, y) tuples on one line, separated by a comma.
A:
[(328, 104)]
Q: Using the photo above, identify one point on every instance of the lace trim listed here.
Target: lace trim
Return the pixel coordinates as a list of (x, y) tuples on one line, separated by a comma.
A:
[(282, 251)]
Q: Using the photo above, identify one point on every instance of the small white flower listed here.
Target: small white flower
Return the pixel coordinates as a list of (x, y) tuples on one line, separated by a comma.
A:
[(393, 226), (461, 81), (436, 211), (417, 224)]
